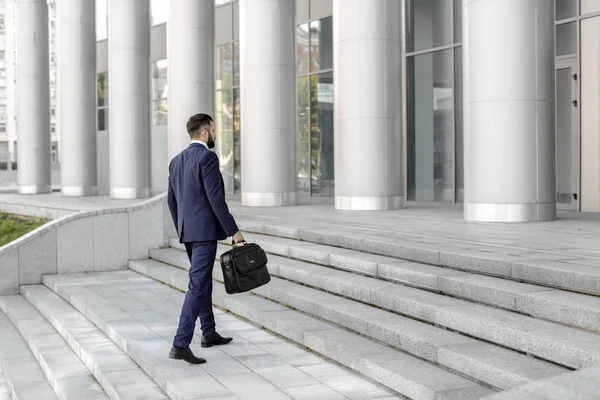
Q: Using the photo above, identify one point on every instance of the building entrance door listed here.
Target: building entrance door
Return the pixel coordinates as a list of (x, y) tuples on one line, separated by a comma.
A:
[(567, 136)]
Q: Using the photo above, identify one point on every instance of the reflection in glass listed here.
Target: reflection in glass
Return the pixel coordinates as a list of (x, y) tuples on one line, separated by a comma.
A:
[(428, 24), (102, 91), (565, 9), (459, 126), (430, 109), (566, 39), (237, 152), (103, 119), (302, 49), (321, 45), (302, 133), (321, 138), (236, 63), (224, 67), (564, 135), (224, 131), (159, 92)]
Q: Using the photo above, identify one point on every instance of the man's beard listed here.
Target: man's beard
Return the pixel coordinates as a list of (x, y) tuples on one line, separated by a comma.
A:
[(210, 143)]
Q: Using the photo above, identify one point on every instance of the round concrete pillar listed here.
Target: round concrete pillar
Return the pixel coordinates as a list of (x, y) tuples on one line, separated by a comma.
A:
[(33, 96), (76, 32), (508, 59), (129, 98), (368, 99), (11, 99), (267, 93), (191, 80)]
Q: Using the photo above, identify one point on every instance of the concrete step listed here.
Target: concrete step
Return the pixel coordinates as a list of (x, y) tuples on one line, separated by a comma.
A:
[(493, 365), (120, 377), (550, 341), (141, 316), (580, 385), (408, 375), (66, 373), (22, 374), (569, 308), (536, 267)]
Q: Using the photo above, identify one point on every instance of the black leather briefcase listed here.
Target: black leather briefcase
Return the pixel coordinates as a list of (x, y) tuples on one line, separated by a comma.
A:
[(244, 268)]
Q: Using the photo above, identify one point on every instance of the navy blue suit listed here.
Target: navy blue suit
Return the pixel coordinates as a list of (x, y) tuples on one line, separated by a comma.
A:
[(196, 199)]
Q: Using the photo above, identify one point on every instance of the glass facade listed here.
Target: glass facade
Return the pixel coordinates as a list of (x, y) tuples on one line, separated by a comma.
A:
[(434, 100), (314, 136), (159, 93), (227, 115), (102, 101)]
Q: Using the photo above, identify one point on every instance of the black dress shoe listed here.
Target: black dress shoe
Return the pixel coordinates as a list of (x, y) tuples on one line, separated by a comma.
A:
[(215, 340), (177, 353)]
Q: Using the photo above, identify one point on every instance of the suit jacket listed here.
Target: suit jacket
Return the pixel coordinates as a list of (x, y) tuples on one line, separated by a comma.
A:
[(196, 196)]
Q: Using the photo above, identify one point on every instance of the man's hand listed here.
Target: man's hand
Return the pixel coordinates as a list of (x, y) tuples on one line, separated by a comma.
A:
[(238, 238)]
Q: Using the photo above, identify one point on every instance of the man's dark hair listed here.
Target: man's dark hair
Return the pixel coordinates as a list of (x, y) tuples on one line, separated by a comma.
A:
[(197, 123)]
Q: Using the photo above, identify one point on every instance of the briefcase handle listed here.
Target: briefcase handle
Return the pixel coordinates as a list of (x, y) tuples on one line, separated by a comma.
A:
[(243, 242)]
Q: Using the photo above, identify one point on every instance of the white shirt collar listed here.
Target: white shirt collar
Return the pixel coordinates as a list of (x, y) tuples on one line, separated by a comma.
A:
[(199, 141)]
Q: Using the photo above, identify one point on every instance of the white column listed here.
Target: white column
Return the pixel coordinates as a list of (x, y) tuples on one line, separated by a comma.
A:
[(508, 60), (268, 102), (76, 32), (129, 98), (191, 80), (368, 96), (33, 97), (11, 100)]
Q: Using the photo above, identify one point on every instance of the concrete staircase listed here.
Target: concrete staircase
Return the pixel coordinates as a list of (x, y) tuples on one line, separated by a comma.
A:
[(406, 320), (422, 330)]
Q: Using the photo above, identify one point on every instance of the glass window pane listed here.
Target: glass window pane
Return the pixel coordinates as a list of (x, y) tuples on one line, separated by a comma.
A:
[(102, 119), (566, 39), (224, 131), (237, 152), (457, 21), (564, 136), (459, 127), (565, 9), (236, 64), (224, 68), (429, 24), (589, 6), (302, 133), (101, 19), (321, 45), (102, 89), (159, 112), (159, 11), (321, 137), (430, 107), (159, 80), (302, 49)]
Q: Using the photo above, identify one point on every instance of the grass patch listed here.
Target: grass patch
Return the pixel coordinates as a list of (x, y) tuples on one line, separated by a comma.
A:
[(14, 226)]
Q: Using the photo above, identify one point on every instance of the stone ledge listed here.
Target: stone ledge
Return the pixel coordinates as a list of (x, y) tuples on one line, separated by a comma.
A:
[(90, 241)]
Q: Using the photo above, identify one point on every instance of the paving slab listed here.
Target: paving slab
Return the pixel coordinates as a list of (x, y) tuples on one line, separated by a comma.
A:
[(311, 332), (23, 375), (120, 377), (66, 373), (251, 357)]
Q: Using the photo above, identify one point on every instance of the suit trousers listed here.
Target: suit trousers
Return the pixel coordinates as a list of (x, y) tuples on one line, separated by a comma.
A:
[(198, 299)]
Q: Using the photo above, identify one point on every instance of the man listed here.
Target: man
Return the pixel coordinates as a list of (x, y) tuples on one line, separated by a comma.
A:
[(196, 200)]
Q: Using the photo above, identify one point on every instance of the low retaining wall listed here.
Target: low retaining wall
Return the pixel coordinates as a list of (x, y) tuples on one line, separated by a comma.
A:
[(90, 241)]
